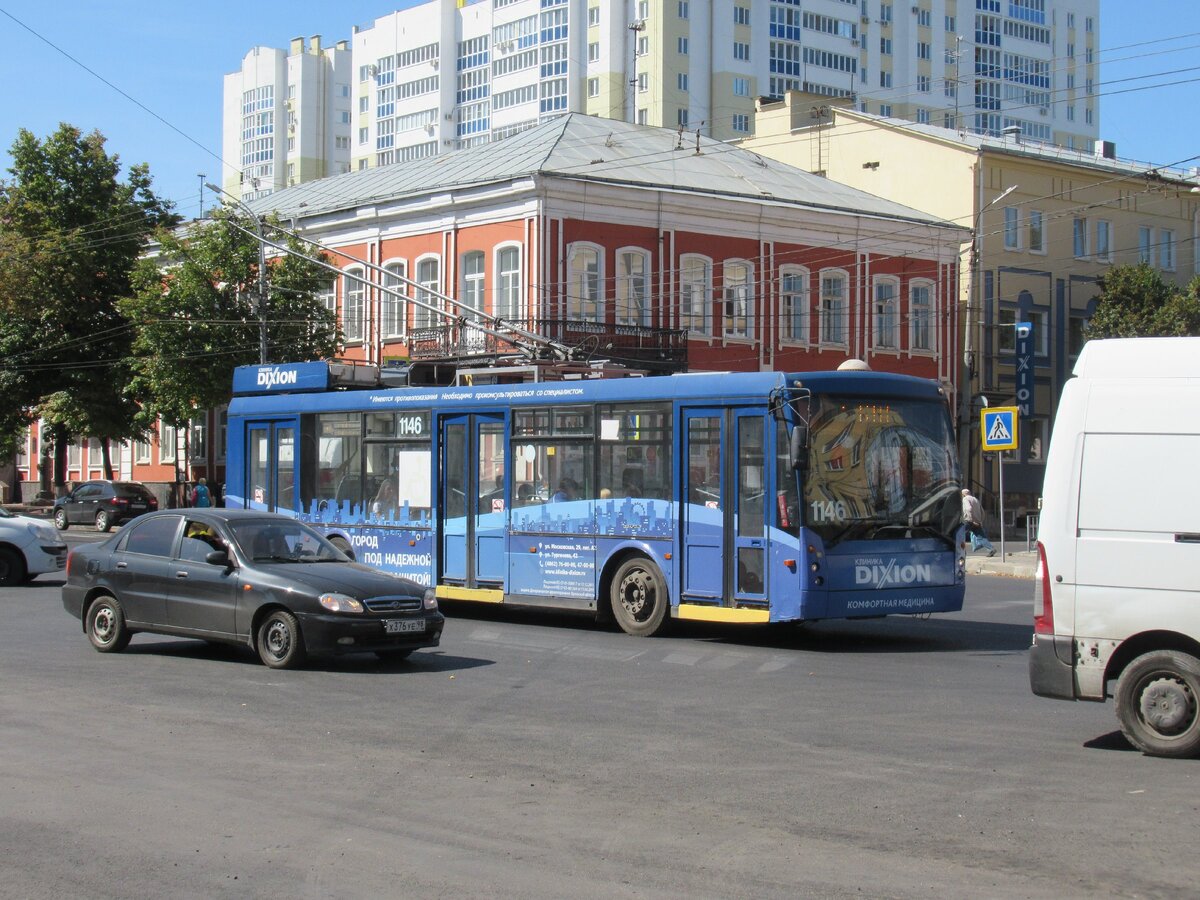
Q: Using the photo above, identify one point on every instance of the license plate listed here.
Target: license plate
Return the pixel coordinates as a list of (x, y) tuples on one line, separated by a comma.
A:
[(403, 626), (137, 505)]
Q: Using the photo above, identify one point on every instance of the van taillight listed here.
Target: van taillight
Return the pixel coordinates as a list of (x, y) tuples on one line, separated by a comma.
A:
[(1043, 606)]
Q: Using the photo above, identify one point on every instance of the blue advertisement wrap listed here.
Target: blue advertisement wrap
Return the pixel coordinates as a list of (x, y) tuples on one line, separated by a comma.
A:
[(278, 379), (884, 577)]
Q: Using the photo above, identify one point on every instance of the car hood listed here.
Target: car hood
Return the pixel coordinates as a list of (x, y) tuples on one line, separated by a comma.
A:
[(355, 579), (18, 527)]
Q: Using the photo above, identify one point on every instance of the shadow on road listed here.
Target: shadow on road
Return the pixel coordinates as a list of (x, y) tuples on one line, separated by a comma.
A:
[(1114, 740), (897, 634), (432, 659)]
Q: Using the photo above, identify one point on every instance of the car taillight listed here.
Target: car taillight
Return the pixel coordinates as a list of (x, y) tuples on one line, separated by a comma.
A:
[(70, 562), (120, 501), (1043, 606), (152, 502)]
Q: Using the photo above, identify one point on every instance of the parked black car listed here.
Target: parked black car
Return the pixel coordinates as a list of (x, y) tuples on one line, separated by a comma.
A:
[(239, 576), (103, 504)]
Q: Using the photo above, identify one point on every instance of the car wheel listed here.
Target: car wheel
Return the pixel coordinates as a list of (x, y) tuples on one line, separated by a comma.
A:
[(106, 626), (639, 598), (1157, 700), (103, 520), (394, 655), (60, 519), (280, 643), (12, 567)]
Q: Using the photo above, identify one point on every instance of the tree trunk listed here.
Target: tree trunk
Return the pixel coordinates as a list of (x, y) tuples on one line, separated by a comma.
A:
[(106, 455), (59, 433)]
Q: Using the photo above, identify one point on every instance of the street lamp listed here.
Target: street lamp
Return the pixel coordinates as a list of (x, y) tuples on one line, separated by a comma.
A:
[(974, 304), (262, 269)]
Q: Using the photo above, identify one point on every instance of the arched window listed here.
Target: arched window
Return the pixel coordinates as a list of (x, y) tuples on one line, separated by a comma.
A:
[(886, 313), (835, 308), (695, 293), (429, 274), (793, 303), (585, 279), (354, 294), (508, 289), (920, 316), (633, 283), (393, 305), (473, 272), (737, 291)]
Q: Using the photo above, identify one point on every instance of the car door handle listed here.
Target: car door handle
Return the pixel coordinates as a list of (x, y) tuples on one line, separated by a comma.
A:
[(182, 573), (1187, 538), (122, 565)]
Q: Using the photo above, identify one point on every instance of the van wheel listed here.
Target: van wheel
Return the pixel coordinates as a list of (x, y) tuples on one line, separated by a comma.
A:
[(639, 598), (1157, 703)]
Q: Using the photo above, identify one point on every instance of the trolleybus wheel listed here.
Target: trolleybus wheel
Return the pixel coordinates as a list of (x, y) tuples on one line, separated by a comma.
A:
[(639, 598)]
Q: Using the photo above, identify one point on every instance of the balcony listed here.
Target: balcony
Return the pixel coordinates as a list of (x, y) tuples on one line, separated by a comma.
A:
[(656, 350)]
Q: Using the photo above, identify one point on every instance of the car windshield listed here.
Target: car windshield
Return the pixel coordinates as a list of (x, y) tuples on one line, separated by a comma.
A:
[(5, 514), (269, 540), (881, 468)]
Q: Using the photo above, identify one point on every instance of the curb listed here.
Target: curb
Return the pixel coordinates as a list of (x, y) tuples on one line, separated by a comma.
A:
[(1014, 565)]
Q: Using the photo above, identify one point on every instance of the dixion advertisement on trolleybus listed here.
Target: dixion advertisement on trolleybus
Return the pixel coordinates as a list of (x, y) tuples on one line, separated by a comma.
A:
[(722, 497)]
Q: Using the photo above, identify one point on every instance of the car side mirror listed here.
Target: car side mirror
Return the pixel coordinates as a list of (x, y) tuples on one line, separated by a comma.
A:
[(798, 448), (218, 558)]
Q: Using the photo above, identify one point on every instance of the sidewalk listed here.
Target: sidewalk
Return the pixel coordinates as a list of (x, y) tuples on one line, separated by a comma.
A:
[(28, 509), (1017, 562)]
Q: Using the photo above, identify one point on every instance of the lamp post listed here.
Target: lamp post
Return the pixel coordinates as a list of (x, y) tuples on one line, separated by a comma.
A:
[(974, 305), (262, 269)]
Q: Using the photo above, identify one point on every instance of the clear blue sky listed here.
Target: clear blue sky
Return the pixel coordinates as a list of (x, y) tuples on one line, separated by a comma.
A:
[(170, 56)]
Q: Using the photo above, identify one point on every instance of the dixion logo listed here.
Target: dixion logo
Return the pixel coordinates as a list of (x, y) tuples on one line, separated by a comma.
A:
[(276, 377), (882, 575)]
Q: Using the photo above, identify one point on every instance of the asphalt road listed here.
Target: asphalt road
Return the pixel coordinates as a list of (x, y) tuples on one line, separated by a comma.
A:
[(544, 756)]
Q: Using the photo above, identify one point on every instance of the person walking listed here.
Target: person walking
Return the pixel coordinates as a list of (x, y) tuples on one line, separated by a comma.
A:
[(972, 513), (200, 495)]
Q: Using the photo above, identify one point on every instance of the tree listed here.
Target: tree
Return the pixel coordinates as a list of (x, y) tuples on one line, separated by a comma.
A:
[(71, 232), (194, 308), (1135, 301)]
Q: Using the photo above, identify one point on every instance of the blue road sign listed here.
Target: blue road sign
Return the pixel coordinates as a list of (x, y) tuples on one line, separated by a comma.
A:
[(998, 428)]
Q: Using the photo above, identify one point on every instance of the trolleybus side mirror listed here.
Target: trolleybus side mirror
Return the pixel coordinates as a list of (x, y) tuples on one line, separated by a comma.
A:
[(798, 451)]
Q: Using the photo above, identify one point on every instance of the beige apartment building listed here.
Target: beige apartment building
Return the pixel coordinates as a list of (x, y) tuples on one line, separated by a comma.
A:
[(1048, 223)]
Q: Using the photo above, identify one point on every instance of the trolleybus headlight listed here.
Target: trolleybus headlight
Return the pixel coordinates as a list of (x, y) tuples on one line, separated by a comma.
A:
[(340, 603), (430, 599)]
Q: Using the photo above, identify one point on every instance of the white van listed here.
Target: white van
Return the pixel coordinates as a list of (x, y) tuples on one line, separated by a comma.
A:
[(1117, 609)]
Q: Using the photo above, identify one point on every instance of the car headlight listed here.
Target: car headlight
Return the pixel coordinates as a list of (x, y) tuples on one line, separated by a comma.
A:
[(430, 599), (340, 603)]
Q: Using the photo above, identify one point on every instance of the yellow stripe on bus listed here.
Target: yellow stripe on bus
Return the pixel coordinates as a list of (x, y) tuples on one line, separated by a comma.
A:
[(478, 595), (698, 613)]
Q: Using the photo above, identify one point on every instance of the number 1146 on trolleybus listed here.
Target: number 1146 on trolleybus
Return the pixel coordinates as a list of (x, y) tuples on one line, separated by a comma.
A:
[(730, 497)]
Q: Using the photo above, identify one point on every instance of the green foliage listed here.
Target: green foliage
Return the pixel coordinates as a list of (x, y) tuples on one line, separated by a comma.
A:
[(1135, 301), (71, 232), (195, 308)]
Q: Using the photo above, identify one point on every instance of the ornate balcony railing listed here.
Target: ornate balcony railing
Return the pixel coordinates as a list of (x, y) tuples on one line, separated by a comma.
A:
[(638, 346)]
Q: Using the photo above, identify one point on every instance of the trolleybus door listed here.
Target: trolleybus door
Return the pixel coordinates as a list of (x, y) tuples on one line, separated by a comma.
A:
[(270, 465), (472, 492), (724, 513)]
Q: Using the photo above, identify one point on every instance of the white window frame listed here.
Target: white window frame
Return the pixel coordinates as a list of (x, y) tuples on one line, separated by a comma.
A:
[(1166, 249), (738, 319), (509, 301), (827, 313), (95, 454), (632, 306), (198, 438), (474, 283), (924, 315), (1012, 228), (354, 305), (789, 318), (1146, 244), (167, 439), (689, 287), (580, 284), (141, 453), (1104, 241), (1040, 217), (1079, 237), (424, 318), (392, 310), (885, 314)]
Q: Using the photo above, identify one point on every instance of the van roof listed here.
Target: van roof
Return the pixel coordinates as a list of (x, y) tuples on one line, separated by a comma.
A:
[(1169, 357)]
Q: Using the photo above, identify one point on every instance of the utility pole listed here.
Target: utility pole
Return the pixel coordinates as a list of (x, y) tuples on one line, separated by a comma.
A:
[(262, 270)]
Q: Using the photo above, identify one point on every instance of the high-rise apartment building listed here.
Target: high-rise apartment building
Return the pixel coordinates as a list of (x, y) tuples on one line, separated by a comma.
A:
[(287, 117), (449, 74)]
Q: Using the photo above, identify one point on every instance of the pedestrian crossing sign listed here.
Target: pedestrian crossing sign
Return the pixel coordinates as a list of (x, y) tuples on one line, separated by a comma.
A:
[(998, 428)]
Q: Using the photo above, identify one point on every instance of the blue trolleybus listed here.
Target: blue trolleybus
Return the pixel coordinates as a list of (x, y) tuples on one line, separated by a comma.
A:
[(739, 498)]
